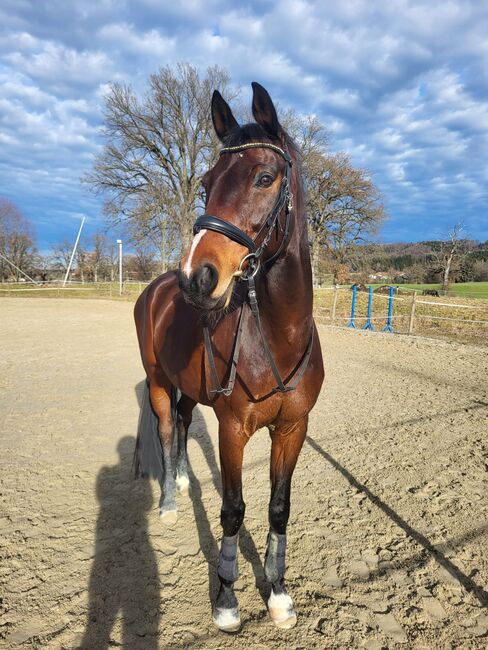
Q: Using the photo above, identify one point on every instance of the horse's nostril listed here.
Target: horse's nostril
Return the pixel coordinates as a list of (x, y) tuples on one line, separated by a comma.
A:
[(204, 279)]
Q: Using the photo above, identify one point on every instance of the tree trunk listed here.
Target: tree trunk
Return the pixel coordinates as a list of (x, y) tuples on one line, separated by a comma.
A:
[(447, 270)]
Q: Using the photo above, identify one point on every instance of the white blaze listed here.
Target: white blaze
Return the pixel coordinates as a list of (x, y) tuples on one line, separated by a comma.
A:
[(196, 240)]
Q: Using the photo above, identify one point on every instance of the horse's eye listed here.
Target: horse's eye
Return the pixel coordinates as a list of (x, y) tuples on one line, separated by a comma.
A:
[(265, 180)]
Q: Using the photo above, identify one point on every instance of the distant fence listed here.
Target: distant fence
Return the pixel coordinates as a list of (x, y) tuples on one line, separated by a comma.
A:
[(73, 289), (453, 318), (456, 318)]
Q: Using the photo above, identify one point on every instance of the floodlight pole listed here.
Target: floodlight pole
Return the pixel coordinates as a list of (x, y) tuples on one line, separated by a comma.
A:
[(119, 242), (73, 253)]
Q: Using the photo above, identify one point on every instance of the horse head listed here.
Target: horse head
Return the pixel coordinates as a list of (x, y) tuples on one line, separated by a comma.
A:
[(247, 192)]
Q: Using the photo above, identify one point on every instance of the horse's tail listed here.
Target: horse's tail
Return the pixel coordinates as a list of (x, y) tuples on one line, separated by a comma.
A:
[(148, 454)]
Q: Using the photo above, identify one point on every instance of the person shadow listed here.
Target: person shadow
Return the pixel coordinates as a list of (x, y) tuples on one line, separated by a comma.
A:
[(124, 579)]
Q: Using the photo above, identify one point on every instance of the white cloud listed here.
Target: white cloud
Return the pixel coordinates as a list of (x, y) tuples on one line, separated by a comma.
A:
[(403, 87)]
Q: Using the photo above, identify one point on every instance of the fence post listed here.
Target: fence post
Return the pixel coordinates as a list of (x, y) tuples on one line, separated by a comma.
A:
[(412, 313), (353, 307), (334, 303)]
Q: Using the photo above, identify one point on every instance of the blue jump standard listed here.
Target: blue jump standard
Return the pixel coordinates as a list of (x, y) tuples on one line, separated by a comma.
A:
[(388, 327), (368, 325)]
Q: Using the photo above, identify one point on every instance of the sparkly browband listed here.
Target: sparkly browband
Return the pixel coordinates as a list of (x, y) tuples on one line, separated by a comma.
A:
[(256, 145)]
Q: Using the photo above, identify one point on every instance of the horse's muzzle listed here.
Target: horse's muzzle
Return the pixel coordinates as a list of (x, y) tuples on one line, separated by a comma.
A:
[(197, 288)]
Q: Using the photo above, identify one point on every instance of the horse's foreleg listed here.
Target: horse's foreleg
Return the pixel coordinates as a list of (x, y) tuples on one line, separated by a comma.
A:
[(285, 448), (231, 446), (161, 403), (185, 408)]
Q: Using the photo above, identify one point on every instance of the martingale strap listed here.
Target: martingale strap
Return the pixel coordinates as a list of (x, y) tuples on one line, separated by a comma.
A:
[(280, 387)]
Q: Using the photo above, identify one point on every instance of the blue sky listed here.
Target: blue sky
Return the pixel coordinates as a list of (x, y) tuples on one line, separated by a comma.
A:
[(402, 87)]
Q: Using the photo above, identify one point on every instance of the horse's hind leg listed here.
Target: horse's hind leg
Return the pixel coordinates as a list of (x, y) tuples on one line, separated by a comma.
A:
[(285, 448), (185, 408), (161, 403)]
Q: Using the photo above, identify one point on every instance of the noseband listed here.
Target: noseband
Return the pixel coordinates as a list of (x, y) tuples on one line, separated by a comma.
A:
[(210, 222), (283, 200)]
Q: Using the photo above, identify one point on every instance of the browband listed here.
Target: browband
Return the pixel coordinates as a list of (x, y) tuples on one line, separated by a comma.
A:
[(209, 222), (257, 145)]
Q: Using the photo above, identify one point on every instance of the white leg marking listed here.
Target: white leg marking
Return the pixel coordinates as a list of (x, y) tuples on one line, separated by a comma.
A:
[(196, 240), (281, 610), (227, 620), (182, 484), (168, 517)]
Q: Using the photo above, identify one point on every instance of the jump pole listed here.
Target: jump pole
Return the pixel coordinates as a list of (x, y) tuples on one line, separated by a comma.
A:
[(388, 327), (368, 325), (73, 253), (353, 307)]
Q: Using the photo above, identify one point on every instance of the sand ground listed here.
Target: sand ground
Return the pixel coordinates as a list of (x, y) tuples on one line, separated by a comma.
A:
[(388, 532)]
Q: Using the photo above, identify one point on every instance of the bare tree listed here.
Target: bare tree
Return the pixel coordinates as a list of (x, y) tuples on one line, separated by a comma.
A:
[(449, 254), (344, 206), (61, 254), (81, 261), (16, 241), (158, 147), (156, 151), (98, 256)]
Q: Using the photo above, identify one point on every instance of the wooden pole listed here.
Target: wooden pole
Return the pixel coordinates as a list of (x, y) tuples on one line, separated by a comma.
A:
[(334, 303), (412, 313)]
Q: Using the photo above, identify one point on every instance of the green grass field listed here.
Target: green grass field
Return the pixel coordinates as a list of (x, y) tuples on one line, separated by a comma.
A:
[(464, 290)]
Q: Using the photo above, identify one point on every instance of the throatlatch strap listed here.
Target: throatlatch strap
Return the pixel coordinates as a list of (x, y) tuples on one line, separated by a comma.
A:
[(227, 567), (275, 557)]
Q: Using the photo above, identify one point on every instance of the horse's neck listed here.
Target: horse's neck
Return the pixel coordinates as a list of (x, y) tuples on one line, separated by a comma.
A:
[(286, 295)]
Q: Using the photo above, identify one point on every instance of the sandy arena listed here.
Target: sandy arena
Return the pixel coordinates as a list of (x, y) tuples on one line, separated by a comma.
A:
[(388, 535)]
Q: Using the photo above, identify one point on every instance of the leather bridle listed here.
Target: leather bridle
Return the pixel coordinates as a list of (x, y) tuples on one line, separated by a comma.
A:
[(284, 201)]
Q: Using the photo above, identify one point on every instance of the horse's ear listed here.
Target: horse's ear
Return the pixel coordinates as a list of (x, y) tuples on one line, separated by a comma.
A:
[(222, 117), (264, 111)]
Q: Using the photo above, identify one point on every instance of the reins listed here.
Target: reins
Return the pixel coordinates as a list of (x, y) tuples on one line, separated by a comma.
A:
[(211, 222)]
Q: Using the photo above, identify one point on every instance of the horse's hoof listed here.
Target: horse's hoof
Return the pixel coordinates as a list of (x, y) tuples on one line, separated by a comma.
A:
[(281, 610), (168, 517), (182, 484), (227, 619)]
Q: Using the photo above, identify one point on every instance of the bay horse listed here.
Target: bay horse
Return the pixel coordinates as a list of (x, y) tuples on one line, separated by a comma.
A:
[(233, 328)]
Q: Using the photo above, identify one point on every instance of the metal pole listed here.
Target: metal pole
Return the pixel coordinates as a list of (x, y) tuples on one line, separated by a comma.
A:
[(412, 313), (119, 242), (368, 325), (73, 253), (388, 327)]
